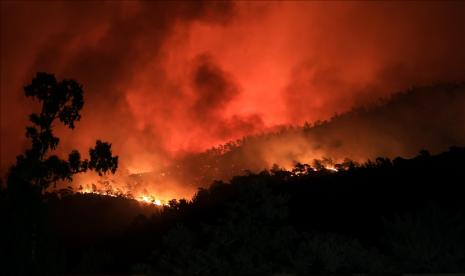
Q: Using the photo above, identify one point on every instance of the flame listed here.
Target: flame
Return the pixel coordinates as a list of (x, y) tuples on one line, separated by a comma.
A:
[(145, 187), (145, 198), (151, 200), (331, 168)]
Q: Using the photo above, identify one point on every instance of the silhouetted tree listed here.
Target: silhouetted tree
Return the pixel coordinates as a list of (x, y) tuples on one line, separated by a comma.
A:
[(36, 167), (28, 238)]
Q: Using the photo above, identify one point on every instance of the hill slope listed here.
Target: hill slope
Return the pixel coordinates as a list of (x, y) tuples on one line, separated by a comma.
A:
[(429, 117)]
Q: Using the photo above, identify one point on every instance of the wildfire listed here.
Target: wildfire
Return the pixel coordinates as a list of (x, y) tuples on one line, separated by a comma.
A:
[(135, 186), (331, 168), (150, 199), (302, 169), (146, 199)]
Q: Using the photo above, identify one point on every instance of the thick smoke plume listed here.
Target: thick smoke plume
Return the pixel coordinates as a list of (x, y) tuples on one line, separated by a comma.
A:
[(423, 118), (163, 80)]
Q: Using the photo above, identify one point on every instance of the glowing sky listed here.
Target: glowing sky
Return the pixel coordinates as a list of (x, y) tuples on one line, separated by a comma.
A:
[(166, 78)]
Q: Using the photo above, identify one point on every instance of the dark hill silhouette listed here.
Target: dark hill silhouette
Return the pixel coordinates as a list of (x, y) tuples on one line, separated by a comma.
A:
[(385, 215)]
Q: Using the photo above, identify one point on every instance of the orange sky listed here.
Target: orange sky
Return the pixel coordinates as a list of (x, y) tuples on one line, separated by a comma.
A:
[(166, 78)]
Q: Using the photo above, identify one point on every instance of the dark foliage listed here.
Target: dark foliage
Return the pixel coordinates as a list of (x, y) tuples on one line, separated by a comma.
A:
[(405, 215), (37, 168), (384, 216), (28, 246)]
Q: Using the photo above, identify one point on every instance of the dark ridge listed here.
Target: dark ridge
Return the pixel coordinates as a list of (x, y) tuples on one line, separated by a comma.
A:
[(400, 215)]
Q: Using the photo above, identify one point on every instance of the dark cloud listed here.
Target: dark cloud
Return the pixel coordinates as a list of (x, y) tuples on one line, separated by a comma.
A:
[(105, 46), (245, 125), (213, 88)]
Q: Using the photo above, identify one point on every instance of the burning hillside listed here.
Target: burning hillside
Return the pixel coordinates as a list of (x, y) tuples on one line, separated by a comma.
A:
[(231, 137), (164, 80), (430, 117)]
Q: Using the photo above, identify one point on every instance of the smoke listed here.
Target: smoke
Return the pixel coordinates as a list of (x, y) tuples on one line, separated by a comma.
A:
[(163, 80), (114, 49), (422, 118)]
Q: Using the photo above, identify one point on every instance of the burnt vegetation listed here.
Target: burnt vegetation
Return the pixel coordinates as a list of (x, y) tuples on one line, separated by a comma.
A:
[(399, 215)]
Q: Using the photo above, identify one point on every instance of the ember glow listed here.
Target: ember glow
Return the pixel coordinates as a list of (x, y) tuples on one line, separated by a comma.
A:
[(165, 81), (141, 187), (102, 187), (148, 199)]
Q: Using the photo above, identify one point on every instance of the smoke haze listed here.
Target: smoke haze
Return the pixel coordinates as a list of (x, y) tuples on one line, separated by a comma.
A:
[(163, 80)]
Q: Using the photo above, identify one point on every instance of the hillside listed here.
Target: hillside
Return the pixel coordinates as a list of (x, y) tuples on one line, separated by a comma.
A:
[(399, 215), (426, 117)]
